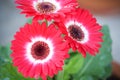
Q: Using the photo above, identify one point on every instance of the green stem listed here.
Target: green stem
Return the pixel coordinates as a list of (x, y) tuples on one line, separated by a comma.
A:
[(86, 66), (60, 75), (63, 74)]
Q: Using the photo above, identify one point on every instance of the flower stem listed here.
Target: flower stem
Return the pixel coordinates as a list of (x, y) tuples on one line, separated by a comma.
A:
[(86, 66), (60, 75)]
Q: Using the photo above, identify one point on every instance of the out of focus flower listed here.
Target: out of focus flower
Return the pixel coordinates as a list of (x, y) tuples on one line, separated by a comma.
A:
[(49, 9)]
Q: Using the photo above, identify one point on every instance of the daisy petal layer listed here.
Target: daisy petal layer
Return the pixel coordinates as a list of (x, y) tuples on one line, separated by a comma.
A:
[(41, 65), (30, 8), (82, 32)]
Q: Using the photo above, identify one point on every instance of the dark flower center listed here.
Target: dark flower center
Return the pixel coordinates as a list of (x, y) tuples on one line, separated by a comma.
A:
[(76, 32), (40, 50), (45, 7)]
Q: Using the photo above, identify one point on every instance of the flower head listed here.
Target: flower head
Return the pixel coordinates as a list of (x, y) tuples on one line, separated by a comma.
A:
[(82, 32), (49, 9), (38, 50)]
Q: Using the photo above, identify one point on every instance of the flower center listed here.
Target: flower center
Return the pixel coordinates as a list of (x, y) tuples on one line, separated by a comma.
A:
[(76, 32), (40, 50), (45, 7)]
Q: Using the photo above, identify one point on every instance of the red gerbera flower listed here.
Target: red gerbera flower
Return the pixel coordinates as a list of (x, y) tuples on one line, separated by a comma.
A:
[(38, 50), (48, 9), (82, 32)]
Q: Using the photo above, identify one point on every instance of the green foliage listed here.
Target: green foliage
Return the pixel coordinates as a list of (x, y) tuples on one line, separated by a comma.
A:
[(99, 66), (5, 54), (29, 21), (74, 65), (75, 68)]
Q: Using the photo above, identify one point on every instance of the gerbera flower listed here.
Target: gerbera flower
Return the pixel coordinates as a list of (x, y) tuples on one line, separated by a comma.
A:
[(38, 50), (48, 9), (82, 32)]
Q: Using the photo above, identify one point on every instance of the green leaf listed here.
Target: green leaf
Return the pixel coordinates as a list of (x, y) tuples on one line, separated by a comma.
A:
[(60, 75), (6, 79), (5, 54), (29, 21), (74, 65), (98, 66), (87, 77), (9, 72)]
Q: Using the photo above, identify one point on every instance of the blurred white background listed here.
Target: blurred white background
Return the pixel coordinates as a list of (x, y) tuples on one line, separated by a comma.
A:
[(11, 20)]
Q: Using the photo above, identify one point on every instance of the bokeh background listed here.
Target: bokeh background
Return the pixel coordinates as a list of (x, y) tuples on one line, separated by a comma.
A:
[(107, 12)]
